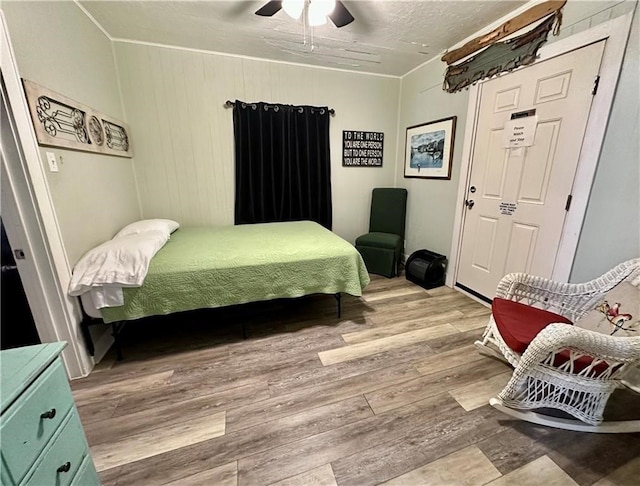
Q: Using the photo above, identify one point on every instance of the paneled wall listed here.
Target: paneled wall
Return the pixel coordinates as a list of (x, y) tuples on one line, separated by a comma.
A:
[(57, 46), (184, 146), (183, 137), (432, 202), (611, 230)]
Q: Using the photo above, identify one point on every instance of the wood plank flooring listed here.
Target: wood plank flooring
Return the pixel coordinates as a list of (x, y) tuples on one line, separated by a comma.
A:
[(393, 393)]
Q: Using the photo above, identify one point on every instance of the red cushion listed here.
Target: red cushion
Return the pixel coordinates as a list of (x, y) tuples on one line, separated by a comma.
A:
[(520, 323)]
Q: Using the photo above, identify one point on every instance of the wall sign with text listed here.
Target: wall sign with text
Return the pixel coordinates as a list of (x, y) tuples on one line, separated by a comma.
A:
[(362, 149)]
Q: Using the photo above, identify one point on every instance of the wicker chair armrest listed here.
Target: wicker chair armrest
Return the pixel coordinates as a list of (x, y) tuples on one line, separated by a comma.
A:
[(547, 376), (524, 285), (569, 299), (557, 336)]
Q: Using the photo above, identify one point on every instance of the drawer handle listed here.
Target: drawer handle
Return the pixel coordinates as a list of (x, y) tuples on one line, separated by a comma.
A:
[(49, 414), (65, 467)]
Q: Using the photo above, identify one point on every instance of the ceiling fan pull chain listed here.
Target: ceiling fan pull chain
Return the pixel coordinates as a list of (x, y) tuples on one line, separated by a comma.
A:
[(304, 23), (312, 42)]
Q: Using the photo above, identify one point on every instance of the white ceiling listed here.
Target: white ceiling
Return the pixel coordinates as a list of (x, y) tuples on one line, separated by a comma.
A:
[(387, 37)]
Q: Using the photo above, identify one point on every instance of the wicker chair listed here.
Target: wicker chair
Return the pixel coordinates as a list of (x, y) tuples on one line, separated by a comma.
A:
[(551, 373)]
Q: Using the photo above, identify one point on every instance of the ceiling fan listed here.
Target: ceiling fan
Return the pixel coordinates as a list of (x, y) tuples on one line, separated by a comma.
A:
[(319, 10)]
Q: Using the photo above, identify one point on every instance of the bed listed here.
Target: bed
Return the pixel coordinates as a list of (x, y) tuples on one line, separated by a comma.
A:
[(206, 267)]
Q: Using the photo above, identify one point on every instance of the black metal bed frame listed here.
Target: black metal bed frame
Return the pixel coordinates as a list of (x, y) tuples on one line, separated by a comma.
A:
[(116, 329)]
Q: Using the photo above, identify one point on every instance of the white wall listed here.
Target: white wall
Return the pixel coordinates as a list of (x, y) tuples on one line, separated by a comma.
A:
[(432, 202), (183, 135), (93, 195), (611, 230), (57, 46)]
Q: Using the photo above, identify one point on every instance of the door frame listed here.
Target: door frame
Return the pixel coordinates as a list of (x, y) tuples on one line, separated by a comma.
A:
[(616, 32), (30, 213)]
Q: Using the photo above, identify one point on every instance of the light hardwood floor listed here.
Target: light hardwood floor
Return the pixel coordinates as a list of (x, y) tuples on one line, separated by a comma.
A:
[(393, 392)]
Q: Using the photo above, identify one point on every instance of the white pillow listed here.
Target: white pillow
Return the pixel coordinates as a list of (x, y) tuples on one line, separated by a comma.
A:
[(166, 226), (120, 262)]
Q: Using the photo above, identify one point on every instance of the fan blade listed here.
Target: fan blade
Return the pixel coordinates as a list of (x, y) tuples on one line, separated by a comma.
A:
[(340, 15), (269, 8)]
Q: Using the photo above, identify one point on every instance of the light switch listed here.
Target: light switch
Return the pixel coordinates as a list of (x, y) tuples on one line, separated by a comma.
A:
[(53, 163)]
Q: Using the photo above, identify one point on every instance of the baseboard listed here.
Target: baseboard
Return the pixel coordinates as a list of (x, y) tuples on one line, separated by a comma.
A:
[(474, 296)]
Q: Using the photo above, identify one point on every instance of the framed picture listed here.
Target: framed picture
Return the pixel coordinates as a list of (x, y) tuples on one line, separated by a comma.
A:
[(429, 149)]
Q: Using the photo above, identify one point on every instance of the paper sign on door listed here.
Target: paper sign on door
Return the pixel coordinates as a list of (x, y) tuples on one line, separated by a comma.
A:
[(520, 132), (508, 208)]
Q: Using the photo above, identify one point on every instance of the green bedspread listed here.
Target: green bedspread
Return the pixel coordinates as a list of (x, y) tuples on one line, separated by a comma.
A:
[(204, 267)]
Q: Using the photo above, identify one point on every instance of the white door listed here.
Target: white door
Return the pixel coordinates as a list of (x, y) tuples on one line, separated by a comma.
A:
[(517, 197)]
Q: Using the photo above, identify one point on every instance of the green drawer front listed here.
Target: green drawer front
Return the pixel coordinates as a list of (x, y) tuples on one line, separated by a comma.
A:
[(87, 475), (24, 433), (68, 449)]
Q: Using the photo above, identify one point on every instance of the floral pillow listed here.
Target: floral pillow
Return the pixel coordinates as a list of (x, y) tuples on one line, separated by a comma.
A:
[(618, 314)]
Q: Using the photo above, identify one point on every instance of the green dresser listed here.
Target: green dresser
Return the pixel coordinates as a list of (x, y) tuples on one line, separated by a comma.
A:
[(41, 438)]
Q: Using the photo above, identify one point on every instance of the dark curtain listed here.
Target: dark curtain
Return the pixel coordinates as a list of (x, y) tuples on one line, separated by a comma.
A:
[(283, 167)]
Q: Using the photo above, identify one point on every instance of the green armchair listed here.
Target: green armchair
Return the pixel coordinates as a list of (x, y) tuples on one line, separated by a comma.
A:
[(381, 248)]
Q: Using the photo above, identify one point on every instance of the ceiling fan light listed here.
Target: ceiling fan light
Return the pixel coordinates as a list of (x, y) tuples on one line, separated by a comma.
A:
[(293, 8), (316, 14)]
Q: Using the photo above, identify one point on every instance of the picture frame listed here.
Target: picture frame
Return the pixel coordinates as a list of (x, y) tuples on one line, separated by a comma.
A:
[(429, 149)]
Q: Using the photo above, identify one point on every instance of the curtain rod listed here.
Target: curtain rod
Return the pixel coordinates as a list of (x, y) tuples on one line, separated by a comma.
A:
[(231, 104)]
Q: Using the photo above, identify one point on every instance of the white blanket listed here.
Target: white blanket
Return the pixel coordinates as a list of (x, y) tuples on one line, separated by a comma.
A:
[(117, 263)]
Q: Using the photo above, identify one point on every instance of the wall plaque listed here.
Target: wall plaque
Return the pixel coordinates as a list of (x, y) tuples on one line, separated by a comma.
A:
[(62, 122), (362, 149)]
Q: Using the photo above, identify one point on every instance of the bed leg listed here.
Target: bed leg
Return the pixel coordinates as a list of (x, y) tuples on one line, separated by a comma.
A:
[(339, 299), (115, 331), (84, 327), (244, 330)]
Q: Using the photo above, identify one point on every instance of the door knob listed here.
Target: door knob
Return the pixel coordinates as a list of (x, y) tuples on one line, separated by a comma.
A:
[(469, 203)]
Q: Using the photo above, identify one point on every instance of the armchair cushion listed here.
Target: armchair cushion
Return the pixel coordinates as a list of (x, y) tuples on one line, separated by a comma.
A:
[(617, 313), (519, 323), (380, 240)]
